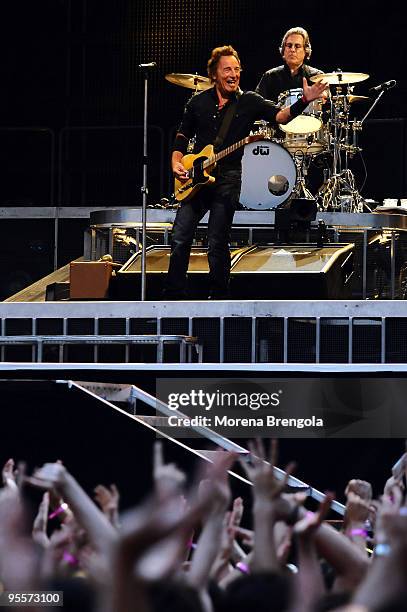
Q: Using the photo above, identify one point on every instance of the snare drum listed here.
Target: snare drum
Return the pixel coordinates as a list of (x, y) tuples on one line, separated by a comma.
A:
[(268, 175), (310, 144), (309, 121)]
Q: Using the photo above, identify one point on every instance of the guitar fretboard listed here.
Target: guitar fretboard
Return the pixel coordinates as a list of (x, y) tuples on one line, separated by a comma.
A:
[(214, 158)]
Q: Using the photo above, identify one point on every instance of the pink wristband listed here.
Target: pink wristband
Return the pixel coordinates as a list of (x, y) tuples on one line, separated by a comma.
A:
[(70, 559), (358, 532), (243, 567), (62, 508)]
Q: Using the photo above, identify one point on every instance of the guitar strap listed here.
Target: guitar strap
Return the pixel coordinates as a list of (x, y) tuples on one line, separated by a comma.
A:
[(227, 120)]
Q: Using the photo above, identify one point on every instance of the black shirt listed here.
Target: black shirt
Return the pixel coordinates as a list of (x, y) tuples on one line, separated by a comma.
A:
[(202, 119), (277, 80)]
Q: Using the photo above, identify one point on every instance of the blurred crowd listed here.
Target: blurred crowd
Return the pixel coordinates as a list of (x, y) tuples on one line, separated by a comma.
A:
[(196, 548)]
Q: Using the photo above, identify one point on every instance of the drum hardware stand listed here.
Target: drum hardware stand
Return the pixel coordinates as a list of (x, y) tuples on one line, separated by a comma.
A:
[(354, 148), (339, 191), (146, 68), (300, 190)]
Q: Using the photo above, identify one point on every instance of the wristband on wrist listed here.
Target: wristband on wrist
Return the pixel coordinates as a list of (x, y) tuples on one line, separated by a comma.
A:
[(242, 567), (62, 508), (69, 559), (358, 532)]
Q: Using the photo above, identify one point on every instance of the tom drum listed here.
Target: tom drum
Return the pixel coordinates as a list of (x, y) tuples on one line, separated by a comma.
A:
[(309, 121)]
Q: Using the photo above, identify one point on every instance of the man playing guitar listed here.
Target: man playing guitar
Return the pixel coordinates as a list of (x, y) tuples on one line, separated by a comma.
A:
[(204, 119)]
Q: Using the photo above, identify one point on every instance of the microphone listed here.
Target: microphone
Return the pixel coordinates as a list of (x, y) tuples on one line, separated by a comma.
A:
[(149, 66), (384, 86)]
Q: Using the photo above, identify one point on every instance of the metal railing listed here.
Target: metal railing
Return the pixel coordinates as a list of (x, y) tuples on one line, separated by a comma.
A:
[(249, 332), (109, 394)]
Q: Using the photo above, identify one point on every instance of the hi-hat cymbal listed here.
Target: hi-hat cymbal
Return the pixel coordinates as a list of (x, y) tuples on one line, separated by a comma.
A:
[(351, 98), (340, 78), (191, 81)]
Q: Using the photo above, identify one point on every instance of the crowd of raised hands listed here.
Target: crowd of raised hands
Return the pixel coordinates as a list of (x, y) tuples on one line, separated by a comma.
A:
[(195, 548)]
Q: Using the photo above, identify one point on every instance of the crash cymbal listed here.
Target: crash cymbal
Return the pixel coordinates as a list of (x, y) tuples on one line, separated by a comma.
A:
[(191, 81), (339, 78)]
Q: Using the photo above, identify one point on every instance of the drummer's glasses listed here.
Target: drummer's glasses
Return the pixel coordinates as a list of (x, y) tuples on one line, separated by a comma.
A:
[(295, 45)]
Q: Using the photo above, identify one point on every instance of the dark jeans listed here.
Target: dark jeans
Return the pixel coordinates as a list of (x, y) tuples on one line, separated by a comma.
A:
[(220, 199)]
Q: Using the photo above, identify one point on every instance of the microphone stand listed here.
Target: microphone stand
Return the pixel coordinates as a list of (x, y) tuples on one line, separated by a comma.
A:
[(372, 107), (357, 126), (144, 189)]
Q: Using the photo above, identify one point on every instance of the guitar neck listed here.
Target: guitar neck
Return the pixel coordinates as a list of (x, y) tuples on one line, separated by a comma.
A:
[(214, 158)]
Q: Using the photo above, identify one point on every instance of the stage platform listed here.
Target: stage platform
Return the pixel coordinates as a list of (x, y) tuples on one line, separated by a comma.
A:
[(130, 217), (243, 332), (379, 238)]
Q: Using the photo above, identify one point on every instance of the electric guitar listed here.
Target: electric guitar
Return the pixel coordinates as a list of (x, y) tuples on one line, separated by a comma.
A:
[(200, 166)]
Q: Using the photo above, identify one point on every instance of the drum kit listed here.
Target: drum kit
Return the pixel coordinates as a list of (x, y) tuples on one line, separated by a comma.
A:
[(275, 168)]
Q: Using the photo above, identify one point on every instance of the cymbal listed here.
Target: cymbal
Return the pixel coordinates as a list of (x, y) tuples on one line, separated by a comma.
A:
[(191, 81), (352, 98), (340, 78)]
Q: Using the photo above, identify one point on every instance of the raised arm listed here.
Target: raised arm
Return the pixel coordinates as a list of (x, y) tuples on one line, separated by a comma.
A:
[(55, 476), (208, 545), (386, 580), (108, 500), (309, 584), (266, 496), (311, 92)]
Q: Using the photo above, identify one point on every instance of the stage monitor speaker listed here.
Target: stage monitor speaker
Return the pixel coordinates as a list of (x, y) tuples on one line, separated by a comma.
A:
[(127, 284), (257, 273), (293, 272)]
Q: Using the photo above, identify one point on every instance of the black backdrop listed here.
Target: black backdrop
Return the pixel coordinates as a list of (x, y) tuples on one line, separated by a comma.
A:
[(70, 64)]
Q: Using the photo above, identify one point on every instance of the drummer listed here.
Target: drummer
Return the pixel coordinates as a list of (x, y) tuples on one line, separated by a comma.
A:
[(295, 50)]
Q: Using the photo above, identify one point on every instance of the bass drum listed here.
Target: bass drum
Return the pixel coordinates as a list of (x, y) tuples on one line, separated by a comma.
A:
[(268, 175)]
